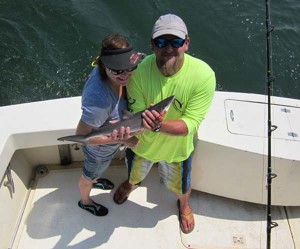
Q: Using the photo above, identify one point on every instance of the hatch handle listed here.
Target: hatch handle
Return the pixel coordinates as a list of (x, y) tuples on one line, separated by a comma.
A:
[(232, 115)]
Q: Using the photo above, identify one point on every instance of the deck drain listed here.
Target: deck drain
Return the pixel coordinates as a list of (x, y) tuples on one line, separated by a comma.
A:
[(238, 240), (41, 171)]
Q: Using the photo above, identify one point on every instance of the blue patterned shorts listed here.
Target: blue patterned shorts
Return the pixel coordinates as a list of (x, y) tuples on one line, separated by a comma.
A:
[(97, 159)]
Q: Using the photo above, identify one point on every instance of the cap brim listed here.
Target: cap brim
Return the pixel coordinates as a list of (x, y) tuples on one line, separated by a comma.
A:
[(127, 60), (177, 33)]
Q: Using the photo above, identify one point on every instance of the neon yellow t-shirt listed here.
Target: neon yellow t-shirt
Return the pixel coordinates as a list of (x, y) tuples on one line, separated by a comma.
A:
[(193, 86)]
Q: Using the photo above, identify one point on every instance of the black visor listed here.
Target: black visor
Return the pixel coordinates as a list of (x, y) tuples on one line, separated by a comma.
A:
[(121, 58)]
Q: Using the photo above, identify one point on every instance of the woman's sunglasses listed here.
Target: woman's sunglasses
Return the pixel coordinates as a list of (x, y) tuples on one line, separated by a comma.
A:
[(117, 72), (162, 42)]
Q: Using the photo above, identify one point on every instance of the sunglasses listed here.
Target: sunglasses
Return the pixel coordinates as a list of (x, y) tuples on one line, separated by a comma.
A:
[(117, 72), (162, 42)]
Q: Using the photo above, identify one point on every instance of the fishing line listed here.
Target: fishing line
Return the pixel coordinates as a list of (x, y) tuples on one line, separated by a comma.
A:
[(270, 79)]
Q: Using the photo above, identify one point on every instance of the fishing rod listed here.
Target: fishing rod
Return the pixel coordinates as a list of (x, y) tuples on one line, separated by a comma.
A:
[(271, 128)]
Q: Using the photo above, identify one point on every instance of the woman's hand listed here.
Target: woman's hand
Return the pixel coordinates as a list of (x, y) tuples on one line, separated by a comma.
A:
[(123, 134)]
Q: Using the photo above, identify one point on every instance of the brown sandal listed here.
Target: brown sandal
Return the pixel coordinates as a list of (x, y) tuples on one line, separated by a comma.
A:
[(123, 192), (185, 217)]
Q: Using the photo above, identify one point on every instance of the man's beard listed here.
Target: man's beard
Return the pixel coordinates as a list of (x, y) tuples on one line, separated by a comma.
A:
[(168, 67)]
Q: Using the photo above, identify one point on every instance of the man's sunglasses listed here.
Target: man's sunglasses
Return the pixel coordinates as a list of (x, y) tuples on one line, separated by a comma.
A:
[(117, 72), (162, 42)]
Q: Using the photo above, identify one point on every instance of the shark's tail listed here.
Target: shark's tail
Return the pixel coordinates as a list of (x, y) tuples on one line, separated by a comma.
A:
[(74, 138)]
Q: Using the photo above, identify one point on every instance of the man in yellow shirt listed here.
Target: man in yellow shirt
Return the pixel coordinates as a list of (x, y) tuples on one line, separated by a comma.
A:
[(168, 141)]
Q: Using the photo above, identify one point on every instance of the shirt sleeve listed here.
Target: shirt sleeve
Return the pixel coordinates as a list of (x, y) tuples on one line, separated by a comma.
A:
[(199, 104), (93, 114)]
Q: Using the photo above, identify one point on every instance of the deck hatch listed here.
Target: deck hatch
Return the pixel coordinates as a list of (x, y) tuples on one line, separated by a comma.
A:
[(250, 118)]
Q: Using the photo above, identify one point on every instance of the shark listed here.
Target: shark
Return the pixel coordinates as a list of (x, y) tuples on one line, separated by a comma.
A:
[(134, 121)]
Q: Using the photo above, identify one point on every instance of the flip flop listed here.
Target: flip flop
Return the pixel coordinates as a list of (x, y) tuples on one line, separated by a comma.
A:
[(123, 192), (184, 217), (103, 183)]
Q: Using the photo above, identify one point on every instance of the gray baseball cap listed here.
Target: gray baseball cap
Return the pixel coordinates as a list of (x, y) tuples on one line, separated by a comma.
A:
[(169, 24)]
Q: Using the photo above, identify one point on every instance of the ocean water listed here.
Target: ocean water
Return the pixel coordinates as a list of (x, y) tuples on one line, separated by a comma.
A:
[(47, 46)]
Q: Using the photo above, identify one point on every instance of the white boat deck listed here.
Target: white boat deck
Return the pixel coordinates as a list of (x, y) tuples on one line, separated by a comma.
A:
[(230, 161), (148, 219)]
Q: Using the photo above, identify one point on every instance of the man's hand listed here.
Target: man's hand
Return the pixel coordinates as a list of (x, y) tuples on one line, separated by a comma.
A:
[(152, 119)]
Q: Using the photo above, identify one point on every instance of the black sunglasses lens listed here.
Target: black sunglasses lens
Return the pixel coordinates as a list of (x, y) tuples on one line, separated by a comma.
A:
[(177, 42), (116, 72), (160, 42)]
